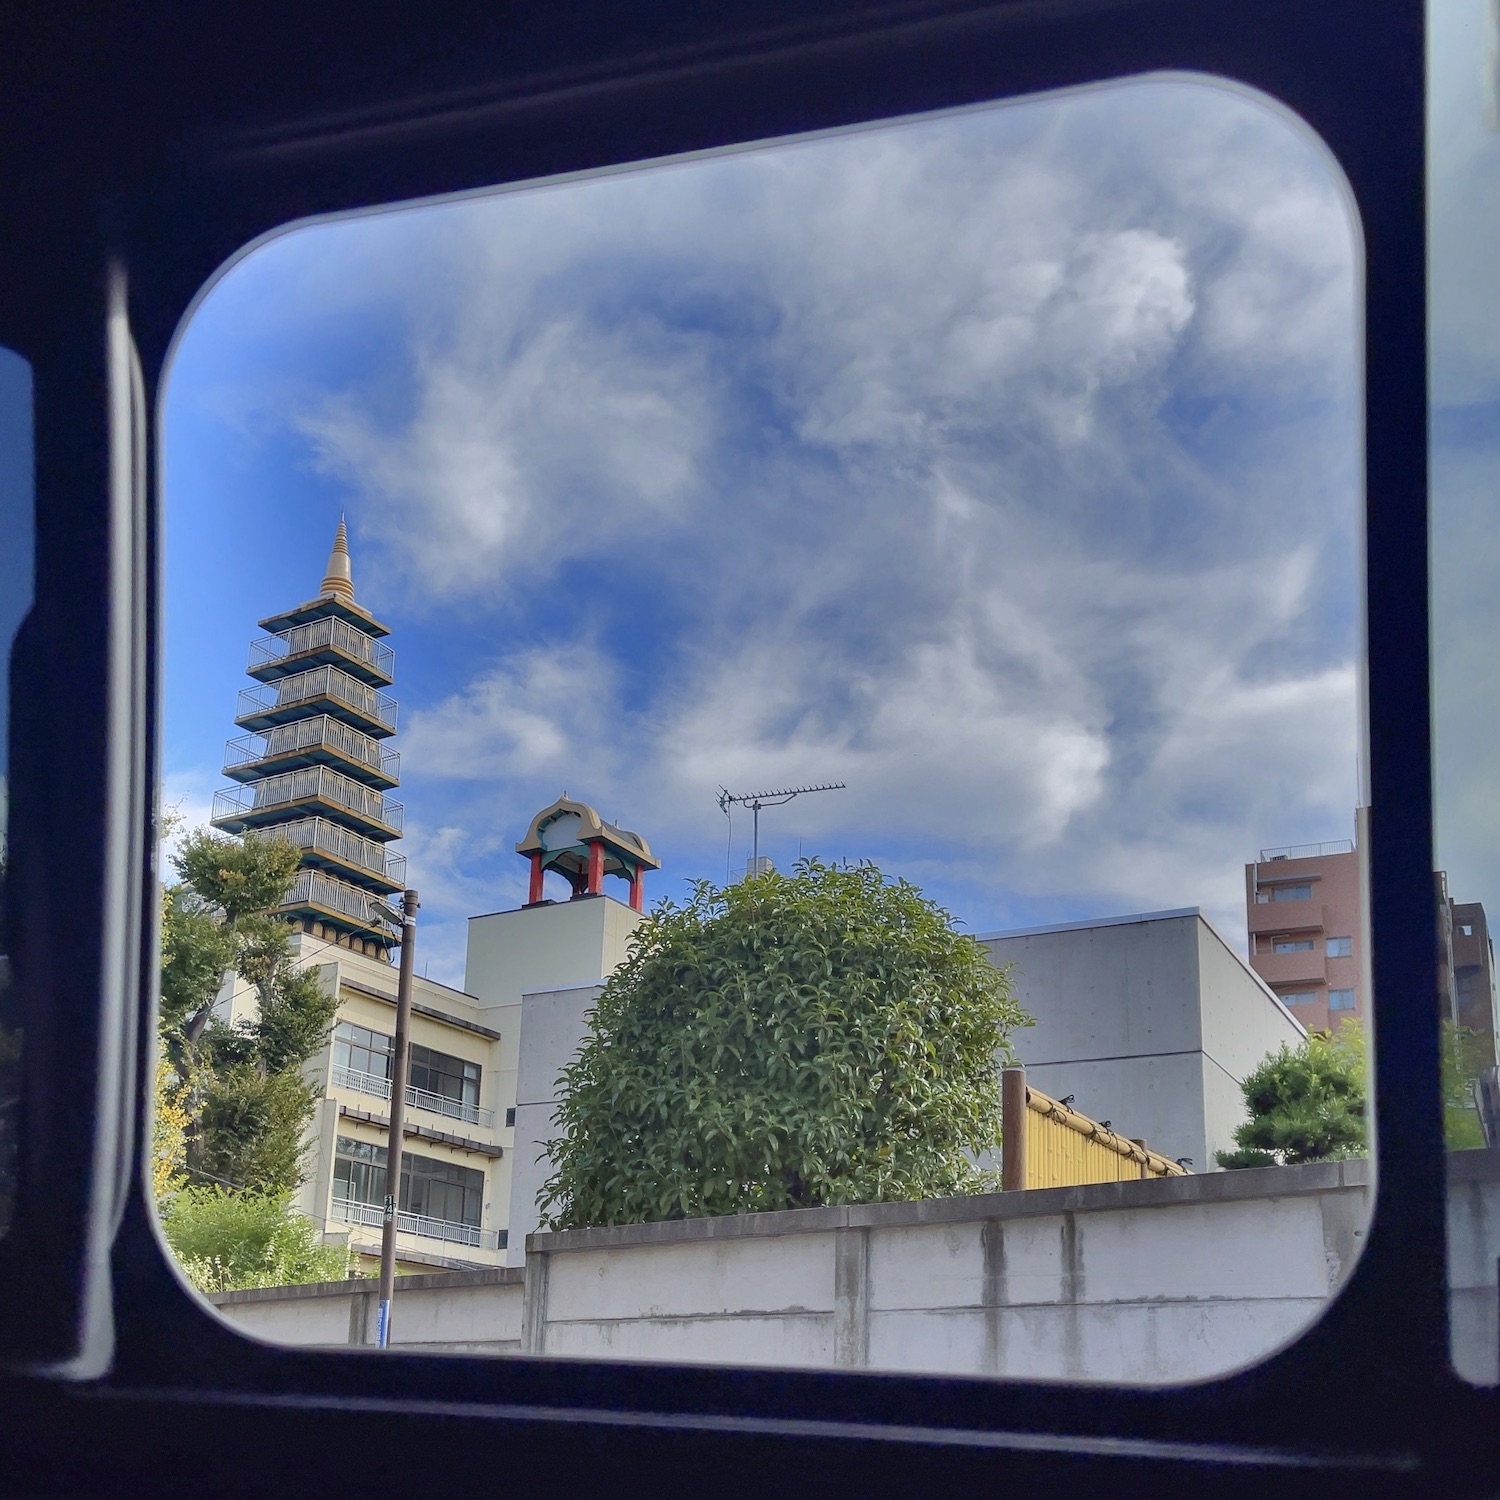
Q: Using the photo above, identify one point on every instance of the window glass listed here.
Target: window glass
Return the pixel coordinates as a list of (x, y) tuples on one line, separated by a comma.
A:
[(16, 542), (360, 1050), (1291, 893), (1340, 947), (1341, 999), (1464, 363), (928, 557)]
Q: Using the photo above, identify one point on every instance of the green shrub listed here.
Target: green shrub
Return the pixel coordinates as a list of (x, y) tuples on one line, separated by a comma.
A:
[(226, 1241)]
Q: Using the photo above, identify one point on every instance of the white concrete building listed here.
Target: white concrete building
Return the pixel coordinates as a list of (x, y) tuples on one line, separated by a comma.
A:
[(1150, 1021)]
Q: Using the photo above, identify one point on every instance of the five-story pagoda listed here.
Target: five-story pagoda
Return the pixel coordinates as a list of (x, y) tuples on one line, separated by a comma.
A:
[(315, 768)]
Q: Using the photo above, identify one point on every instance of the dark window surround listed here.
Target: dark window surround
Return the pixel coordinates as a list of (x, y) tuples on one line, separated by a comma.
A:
[(273, 114)]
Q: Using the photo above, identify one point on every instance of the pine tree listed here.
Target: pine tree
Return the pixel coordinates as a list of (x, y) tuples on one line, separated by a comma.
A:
[(247, 1103), (1306, 1103)]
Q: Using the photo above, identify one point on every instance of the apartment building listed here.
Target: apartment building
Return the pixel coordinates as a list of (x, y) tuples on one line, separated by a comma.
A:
[(1304, 913)]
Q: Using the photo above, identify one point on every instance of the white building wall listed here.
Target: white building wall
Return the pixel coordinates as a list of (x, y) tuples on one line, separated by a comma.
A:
[(553, 1027), (1151, 1021)]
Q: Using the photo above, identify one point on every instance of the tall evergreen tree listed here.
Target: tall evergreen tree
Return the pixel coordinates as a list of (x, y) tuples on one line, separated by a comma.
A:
[(820, 1038), (247, 1103)]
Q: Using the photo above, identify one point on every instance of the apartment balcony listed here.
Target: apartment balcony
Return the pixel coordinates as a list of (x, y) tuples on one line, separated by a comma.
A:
[(1291, 968), (1307, 916), (317, 897), (321, 690), (332, 847), (349, 1212), (313, 791), (438, 1104), (330, 642), (322, 740)]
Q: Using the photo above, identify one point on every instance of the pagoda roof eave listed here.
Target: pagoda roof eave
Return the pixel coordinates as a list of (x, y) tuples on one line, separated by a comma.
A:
[(319, 609)]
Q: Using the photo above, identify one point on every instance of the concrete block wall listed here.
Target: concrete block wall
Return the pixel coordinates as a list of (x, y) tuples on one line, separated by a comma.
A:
[(1149, 1281)]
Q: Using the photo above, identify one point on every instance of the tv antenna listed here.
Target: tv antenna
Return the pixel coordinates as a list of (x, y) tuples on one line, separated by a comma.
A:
[(757, 800)]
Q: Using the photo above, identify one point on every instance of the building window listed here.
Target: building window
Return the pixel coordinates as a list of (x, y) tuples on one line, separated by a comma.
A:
[(434, 1189), (1341, 947), (1467, 928), (1299, 997), (448, 1077), (361, 1050), (1291, 893), (510, 1117), (1341, 999), (1292, 945)]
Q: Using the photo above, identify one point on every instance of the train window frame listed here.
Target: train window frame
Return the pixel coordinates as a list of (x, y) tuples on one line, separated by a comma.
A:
[(96, 1329)]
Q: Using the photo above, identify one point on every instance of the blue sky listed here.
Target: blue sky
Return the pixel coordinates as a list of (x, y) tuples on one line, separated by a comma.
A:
[(1003, 466)]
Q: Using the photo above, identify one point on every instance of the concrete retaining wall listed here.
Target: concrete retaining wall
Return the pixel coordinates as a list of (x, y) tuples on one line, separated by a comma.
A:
[(1141, 1281)]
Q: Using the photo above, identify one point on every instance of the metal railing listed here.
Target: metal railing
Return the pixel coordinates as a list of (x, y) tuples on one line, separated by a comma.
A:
[(297, 786), (314, 888), (320, 732), (437, 1104), (323, 836), (349, 1212), (1308, 851), (331, 633), (318, 682)]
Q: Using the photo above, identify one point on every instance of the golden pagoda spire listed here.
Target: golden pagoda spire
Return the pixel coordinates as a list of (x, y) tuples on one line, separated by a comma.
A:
[(338, 581)]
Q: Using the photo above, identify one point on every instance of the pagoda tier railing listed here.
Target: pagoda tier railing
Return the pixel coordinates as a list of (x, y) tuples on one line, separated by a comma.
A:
[(318, 682), (314, 888), (323, 732), (236, 804), (334, 841), (331, 634)]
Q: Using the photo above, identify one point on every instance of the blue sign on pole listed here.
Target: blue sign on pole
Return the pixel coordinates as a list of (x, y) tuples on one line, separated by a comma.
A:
[(383, 1325)]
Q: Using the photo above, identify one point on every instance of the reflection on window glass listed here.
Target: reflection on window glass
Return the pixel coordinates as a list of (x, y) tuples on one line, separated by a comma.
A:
[(16, 505), (1464, 341), (831, 632)]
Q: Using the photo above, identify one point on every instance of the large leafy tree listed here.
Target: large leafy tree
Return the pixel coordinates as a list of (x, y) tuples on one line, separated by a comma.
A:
[(241, 1086), (825, 1037), (1306, 1103)]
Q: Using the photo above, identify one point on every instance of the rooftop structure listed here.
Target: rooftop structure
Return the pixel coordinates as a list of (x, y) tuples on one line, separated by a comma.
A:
[(571, 838), (314, 768)]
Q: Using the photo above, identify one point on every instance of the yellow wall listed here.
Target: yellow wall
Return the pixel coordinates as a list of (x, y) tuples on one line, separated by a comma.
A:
[(1065, 1148)]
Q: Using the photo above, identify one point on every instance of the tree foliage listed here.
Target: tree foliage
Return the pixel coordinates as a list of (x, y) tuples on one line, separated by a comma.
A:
[(226, 1241), (1465, 1055), (820, 1038), (1306, 1103), (248, 1105)]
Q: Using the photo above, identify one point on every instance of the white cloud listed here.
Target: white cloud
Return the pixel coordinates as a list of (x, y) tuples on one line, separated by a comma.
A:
[(1003, 467)]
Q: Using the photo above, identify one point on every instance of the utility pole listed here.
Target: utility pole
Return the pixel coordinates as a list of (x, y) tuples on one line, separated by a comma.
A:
[(757, 800), (399, 1055)]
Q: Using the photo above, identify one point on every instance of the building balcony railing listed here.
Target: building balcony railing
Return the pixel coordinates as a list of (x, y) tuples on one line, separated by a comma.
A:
[(1307, 851), (438, 1104), (274, 702), (307, 740), (275, 655), (347, 1211), (314, 890), (241, 807), (323, 838)]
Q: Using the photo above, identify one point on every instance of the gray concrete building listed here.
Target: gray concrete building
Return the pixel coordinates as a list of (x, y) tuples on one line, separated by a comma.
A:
[(1149, 1021)]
